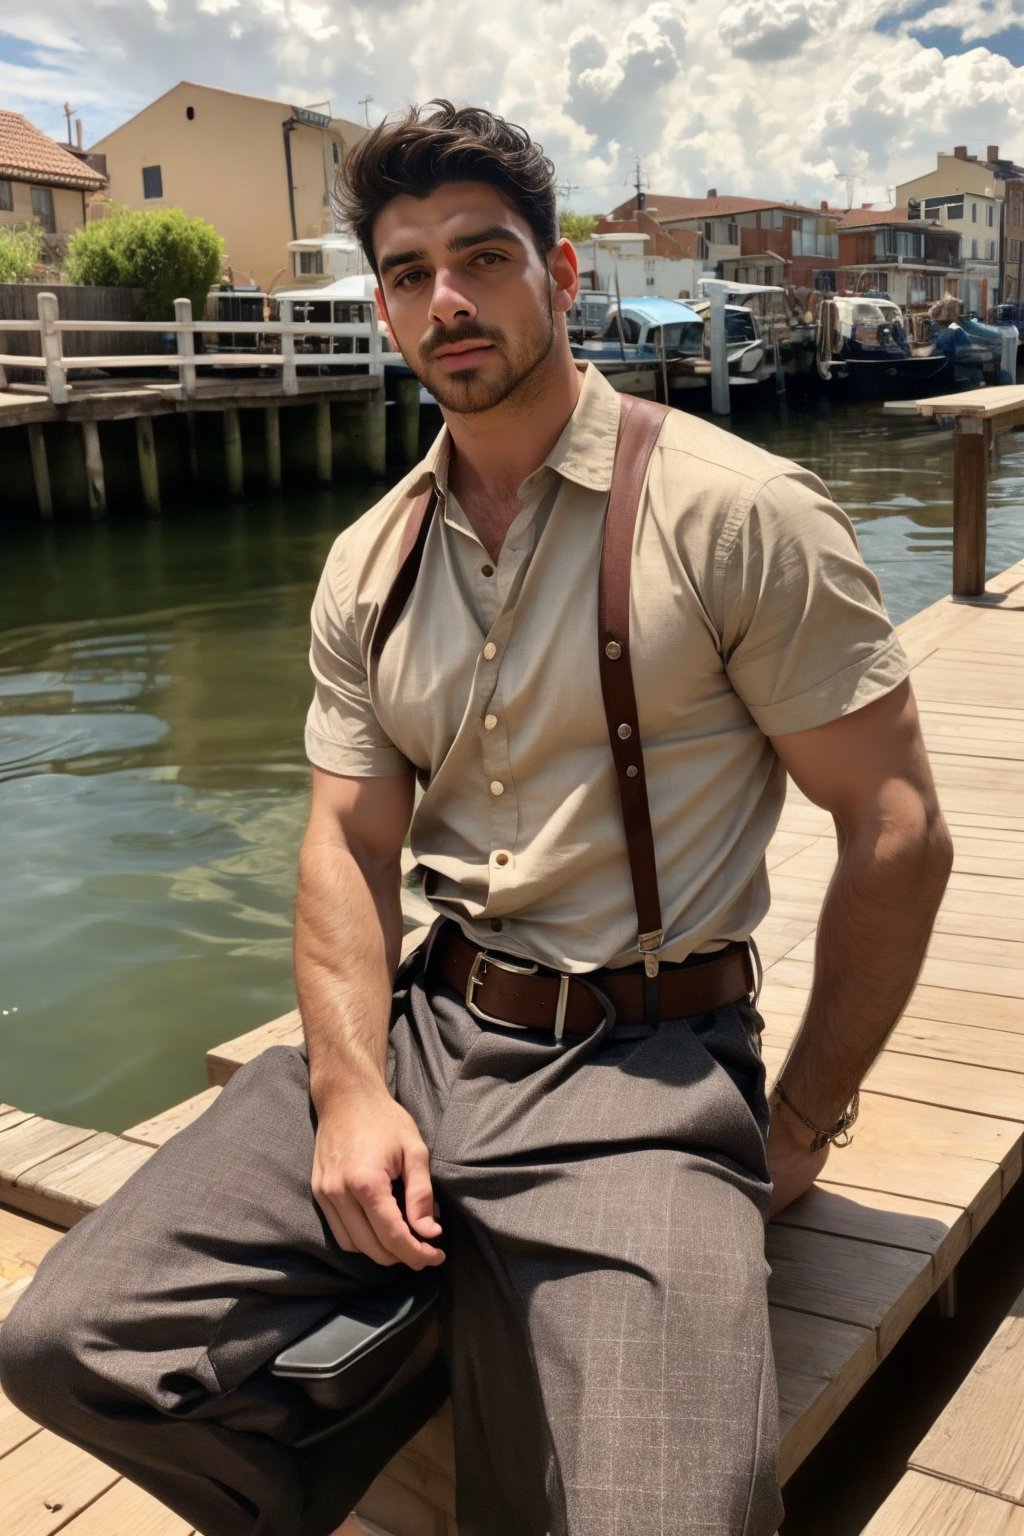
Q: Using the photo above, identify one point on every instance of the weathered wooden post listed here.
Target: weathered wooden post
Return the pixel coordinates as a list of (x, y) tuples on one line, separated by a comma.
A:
[(95, 480), (40, 469), (375, 434), (719, 354), (186, 342), (272, 438), (56, 378), (289, 378), (972, 443), (324, 444), (233, 452), (407, 405), (145, 448)]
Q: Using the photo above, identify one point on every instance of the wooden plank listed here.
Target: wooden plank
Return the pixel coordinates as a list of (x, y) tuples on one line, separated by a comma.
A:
[(45, 1482), (126, 1510), (15, 1426), (869, 1284), (33, 1141), (927, 1506), (70, 1185), (977, 1439), (396, 1508), (821, 1365), (872, 1216), (160, 1128)]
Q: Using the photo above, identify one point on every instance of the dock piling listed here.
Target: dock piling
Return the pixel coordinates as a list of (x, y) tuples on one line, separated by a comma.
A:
[(233, 462), (56, 378), (95, 480), (407, 404), (40, 470), (375, 435), (324, 444), (971, 451), (272, 438), (148, 473)]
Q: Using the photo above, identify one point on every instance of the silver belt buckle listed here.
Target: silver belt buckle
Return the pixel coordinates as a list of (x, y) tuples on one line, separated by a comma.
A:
[(477, 970)]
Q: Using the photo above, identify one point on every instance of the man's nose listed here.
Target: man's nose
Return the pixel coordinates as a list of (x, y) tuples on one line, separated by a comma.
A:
[(449, 301)]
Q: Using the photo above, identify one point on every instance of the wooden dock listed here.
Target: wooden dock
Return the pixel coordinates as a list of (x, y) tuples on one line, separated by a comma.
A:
[(938, 1146)]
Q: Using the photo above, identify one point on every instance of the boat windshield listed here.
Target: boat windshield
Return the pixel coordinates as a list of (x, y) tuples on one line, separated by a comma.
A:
[(682, 338), (876, 313)]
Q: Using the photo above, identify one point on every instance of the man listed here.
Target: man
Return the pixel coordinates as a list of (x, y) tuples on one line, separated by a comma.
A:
[(576, 1138)]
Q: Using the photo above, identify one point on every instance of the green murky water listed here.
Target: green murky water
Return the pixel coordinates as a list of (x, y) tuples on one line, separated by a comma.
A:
[(153, 687)]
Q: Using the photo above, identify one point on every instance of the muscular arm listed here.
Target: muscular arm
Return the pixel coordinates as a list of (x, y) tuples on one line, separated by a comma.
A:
[(348, 932), (870, 770)]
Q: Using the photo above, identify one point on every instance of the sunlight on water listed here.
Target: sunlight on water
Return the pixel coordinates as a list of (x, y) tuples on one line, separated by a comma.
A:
[(153, 685)]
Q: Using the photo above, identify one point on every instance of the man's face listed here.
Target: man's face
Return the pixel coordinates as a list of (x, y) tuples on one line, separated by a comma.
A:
[(466, 295)]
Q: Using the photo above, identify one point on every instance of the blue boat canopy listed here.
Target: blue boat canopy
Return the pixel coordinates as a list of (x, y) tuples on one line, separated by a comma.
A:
[(660, 311)]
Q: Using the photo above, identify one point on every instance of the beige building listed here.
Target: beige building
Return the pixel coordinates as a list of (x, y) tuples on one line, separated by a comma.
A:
[(260, 171), (966, 194), (41, 182)]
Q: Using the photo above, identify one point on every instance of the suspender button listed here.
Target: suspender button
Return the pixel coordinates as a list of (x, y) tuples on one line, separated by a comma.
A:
[(613, 650)]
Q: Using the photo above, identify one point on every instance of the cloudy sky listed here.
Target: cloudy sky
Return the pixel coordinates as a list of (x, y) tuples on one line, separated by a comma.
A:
[(801, 99)]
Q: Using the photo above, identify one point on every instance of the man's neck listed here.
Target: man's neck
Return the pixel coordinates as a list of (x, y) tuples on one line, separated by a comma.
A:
[(494, 451)]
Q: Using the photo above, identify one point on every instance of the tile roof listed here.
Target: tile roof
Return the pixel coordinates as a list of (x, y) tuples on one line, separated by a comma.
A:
[(867, 218), (667, 209), (28, 155)]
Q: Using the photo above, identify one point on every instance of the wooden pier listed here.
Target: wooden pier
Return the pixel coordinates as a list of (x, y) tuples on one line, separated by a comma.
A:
[(939, 1142)]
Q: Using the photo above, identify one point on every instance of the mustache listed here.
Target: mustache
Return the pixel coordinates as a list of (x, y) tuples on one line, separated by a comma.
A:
[(443, 337)]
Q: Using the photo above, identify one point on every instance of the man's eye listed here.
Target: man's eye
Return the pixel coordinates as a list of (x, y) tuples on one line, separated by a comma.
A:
[(490, 258), (408, 279)]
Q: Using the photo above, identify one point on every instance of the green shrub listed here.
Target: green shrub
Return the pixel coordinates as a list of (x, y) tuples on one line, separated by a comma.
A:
[(21, 246), (165, 253), (577, 226)]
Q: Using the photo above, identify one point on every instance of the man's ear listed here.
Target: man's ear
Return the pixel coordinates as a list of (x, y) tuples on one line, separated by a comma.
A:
[(563, 268), (382, 311)]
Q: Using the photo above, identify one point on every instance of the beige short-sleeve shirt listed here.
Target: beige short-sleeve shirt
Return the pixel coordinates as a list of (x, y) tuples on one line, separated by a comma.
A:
[(752, 615)]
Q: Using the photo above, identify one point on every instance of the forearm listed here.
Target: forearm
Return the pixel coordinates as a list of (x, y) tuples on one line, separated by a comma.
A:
[(348, 933), (872, 936)]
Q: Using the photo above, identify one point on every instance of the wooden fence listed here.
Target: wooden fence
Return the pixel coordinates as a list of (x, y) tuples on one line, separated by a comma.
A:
[(48, 332), (20, 301)]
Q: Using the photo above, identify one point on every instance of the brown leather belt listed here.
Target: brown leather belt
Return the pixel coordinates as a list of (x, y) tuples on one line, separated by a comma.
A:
[(502, 989)]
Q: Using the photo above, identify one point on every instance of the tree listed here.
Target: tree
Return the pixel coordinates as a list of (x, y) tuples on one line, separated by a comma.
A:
[(165, 253), (21, 246), (577, 226)]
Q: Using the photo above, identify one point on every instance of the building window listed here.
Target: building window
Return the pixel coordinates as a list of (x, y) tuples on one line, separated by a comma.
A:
[(311, 263), (335, 151), (190, 113), (42, 207), (991, 212), (152, 181), (974, 213), (974, 250), (990, 250), (732, 234), (709, 231), (6, 197)]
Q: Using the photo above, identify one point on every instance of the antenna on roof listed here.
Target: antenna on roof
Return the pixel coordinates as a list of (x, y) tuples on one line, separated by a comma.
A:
[(849, 180), (641, 198)]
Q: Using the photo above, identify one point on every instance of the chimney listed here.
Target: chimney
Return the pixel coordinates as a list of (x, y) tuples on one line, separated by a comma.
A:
[(992, 154), (712, 192), (960, 151), (78, 133), (823, 205)]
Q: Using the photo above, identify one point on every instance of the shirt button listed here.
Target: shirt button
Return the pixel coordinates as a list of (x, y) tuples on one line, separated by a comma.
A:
[(497, 787), (487, 570), (496, 924), (490, 721), (490, 651), (502, 858)]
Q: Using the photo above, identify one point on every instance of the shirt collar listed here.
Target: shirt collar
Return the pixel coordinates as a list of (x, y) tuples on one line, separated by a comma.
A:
[(584, 453)]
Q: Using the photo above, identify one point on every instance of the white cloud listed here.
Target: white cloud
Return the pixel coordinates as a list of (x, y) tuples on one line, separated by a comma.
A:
[(766, 97)]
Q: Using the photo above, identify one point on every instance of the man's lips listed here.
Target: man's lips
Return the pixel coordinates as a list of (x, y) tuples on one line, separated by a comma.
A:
[(464, 354)]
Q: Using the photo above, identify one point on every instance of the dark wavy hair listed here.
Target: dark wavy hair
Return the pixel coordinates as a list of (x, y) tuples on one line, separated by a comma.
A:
[(418, 153)]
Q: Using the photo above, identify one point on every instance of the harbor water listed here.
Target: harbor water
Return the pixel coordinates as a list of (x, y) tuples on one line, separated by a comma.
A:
[(153, 788)]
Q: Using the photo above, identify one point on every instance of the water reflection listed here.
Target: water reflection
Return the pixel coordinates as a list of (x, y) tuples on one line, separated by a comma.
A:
[(153, 684)]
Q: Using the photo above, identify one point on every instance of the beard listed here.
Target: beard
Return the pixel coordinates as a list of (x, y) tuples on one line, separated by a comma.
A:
[(470, 390)]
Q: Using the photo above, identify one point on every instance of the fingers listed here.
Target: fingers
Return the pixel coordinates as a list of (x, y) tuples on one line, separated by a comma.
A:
[(364, 1217), (420, 1206)]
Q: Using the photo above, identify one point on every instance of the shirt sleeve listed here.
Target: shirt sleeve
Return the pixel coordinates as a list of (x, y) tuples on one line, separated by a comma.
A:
[(806, 637), (343, 733)]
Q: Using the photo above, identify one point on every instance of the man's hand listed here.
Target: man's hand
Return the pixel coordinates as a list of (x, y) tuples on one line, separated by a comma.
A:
[(364, 1145), (791, 1163)]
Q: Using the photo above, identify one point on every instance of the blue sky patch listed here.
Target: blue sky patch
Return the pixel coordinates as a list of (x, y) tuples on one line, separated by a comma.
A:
[(15, 50)]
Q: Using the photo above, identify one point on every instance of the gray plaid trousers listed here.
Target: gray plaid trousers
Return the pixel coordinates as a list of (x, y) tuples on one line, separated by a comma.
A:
[(605, 1316)]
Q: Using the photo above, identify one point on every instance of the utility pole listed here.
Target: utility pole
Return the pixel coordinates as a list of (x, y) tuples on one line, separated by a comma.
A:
[(364, 102), (565, 190), (640, 196)]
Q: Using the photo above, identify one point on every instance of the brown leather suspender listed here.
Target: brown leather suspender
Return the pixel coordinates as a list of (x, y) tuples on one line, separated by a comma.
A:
[(640, 423)]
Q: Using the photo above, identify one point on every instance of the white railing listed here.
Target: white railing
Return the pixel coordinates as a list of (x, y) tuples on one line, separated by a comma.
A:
[(54, 364)]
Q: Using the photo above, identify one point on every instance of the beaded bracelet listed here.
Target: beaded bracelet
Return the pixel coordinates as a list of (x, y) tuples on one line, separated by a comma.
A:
[(839, 1135)]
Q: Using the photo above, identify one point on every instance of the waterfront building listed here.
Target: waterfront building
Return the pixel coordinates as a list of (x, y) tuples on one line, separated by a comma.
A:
[(749, 239), (260, 171), (890, 251), (969, 195), (42, 182), (641, 257)]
